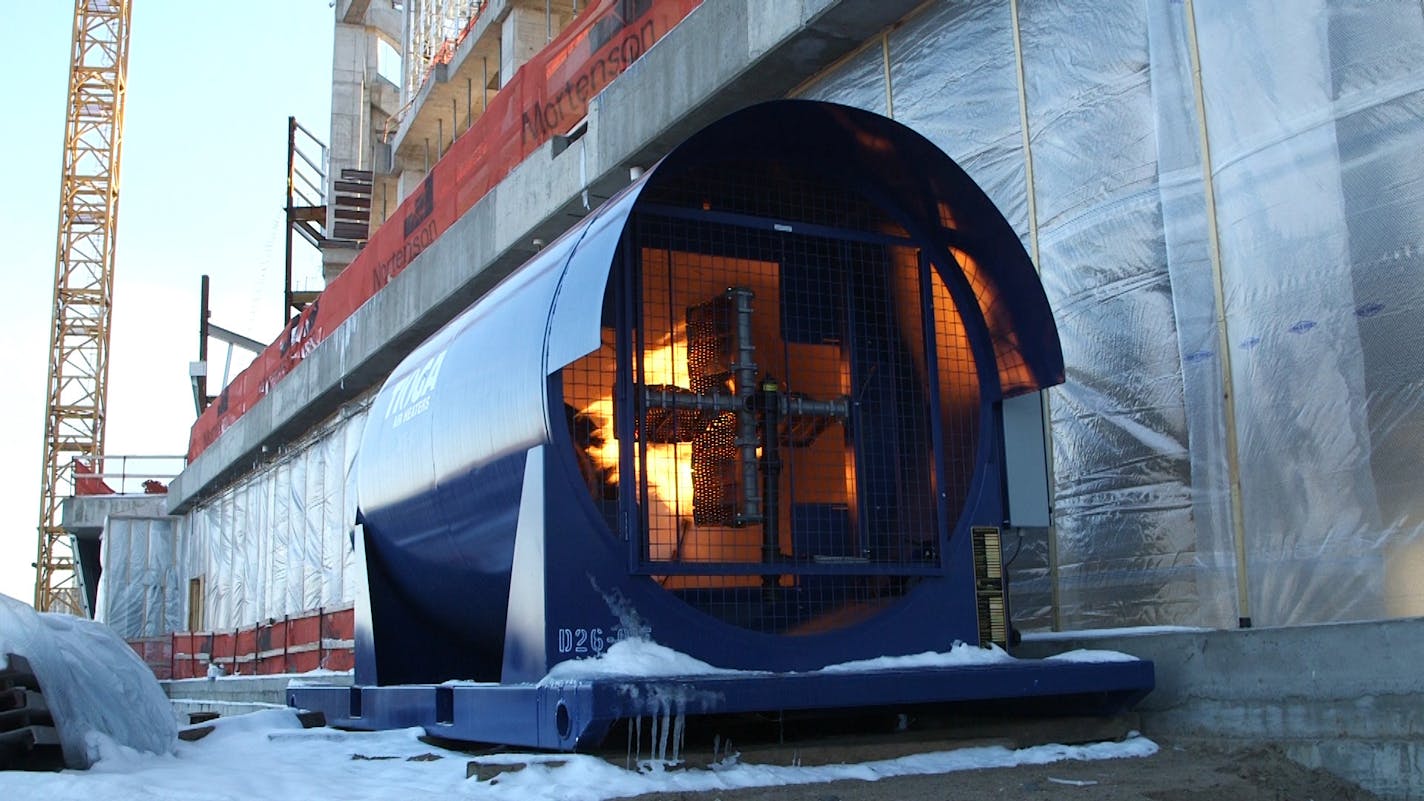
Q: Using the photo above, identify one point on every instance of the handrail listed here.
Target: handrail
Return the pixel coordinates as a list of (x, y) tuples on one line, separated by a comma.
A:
[(135, 473)]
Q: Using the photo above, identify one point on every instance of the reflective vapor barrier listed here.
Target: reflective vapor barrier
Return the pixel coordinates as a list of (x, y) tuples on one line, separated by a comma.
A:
[(140, 592), (277, 542), (1234, 262)]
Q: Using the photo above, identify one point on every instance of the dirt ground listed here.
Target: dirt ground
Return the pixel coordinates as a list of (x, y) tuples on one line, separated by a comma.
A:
[(1173, 774)]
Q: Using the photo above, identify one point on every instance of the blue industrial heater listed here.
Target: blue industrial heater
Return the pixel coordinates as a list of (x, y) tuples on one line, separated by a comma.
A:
[(759, 408)]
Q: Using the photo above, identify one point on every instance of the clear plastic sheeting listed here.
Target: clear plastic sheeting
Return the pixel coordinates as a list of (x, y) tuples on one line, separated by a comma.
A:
[(278, 541), (97, 690), (1126, 542), (1311, 117), (1319, 168), (140, 593)]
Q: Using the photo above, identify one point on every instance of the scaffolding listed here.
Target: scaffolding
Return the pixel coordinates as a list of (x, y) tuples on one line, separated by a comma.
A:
[(433, 29)]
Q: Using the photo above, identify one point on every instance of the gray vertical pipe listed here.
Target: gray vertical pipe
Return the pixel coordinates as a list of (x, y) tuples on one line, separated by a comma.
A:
[(745, 369)]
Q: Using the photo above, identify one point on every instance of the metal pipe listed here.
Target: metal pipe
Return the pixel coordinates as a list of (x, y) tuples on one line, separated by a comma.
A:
[(744, 371), (769, 402), (794, 406), (291, 221), (673, 398), (790, 406), (201, 382)]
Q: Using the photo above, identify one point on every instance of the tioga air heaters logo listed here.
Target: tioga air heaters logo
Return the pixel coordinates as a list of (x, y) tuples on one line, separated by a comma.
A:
[(411, 395)]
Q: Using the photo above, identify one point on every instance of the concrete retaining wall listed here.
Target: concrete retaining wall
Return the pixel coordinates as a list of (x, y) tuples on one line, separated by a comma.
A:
[(236, 695), (1346, 697)]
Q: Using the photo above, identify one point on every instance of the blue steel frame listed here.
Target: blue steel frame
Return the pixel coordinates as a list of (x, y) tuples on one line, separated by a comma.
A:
[(486, 560), (574, 715)]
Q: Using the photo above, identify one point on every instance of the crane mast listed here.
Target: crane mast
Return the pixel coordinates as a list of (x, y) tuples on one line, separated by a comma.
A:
[(83, 284)]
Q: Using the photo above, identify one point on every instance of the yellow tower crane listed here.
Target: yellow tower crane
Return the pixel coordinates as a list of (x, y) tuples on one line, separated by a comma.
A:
[(83, 285)]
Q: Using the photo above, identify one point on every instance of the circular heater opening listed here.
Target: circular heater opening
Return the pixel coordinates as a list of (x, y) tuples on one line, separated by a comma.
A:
[(797, 383)]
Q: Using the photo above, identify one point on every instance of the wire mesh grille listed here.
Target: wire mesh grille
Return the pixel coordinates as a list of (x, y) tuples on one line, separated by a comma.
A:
[(1015, 377), (958, 397), (795, 402), (588, 411), (773, 192)]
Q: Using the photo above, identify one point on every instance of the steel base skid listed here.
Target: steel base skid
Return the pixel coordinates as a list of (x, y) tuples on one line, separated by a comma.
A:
[(576, 714)]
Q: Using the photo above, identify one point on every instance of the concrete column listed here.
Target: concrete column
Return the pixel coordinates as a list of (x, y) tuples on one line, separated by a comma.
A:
[(523, 33), (407, 181), (352, 64), (355, 88)]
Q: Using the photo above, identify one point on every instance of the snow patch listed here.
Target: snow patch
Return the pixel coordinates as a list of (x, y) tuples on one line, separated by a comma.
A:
[(311, 676), (642, 658), (1085, 655), (228, 706), (959, 655), (634, 658)]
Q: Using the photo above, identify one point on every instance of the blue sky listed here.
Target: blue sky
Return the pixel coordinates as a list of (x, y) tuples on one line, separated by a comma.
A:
[(210, 88)]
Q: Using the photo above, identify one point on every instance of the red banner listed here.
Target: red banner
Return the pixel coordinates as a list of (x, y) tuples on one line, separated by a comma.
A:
[(546, 97)]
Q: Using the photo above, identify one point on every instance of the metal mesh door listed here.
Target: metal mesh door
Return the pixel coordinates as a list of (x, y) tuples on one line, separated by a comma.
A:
[(795, 385)]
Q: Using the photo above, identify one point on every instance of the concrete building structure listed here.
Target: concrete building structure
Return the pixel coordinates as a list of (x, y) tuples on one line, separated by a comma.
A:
[(1231, 235), (363, 100)]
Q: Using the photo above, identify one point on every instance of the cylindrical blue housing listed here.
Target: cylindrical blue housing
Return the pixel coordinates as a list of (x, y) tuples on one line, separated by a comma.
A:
[(442, 464)]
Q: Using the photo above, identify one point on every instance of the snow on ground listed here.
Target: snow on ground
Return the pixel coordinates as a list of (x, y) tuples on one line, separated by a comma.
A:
[(267, 755), (958, 655)]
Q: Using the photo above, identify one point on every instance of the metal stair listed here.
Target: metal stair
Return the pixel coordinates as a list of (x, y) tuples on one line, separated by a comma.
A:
[(348, 199), (351, 204)]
